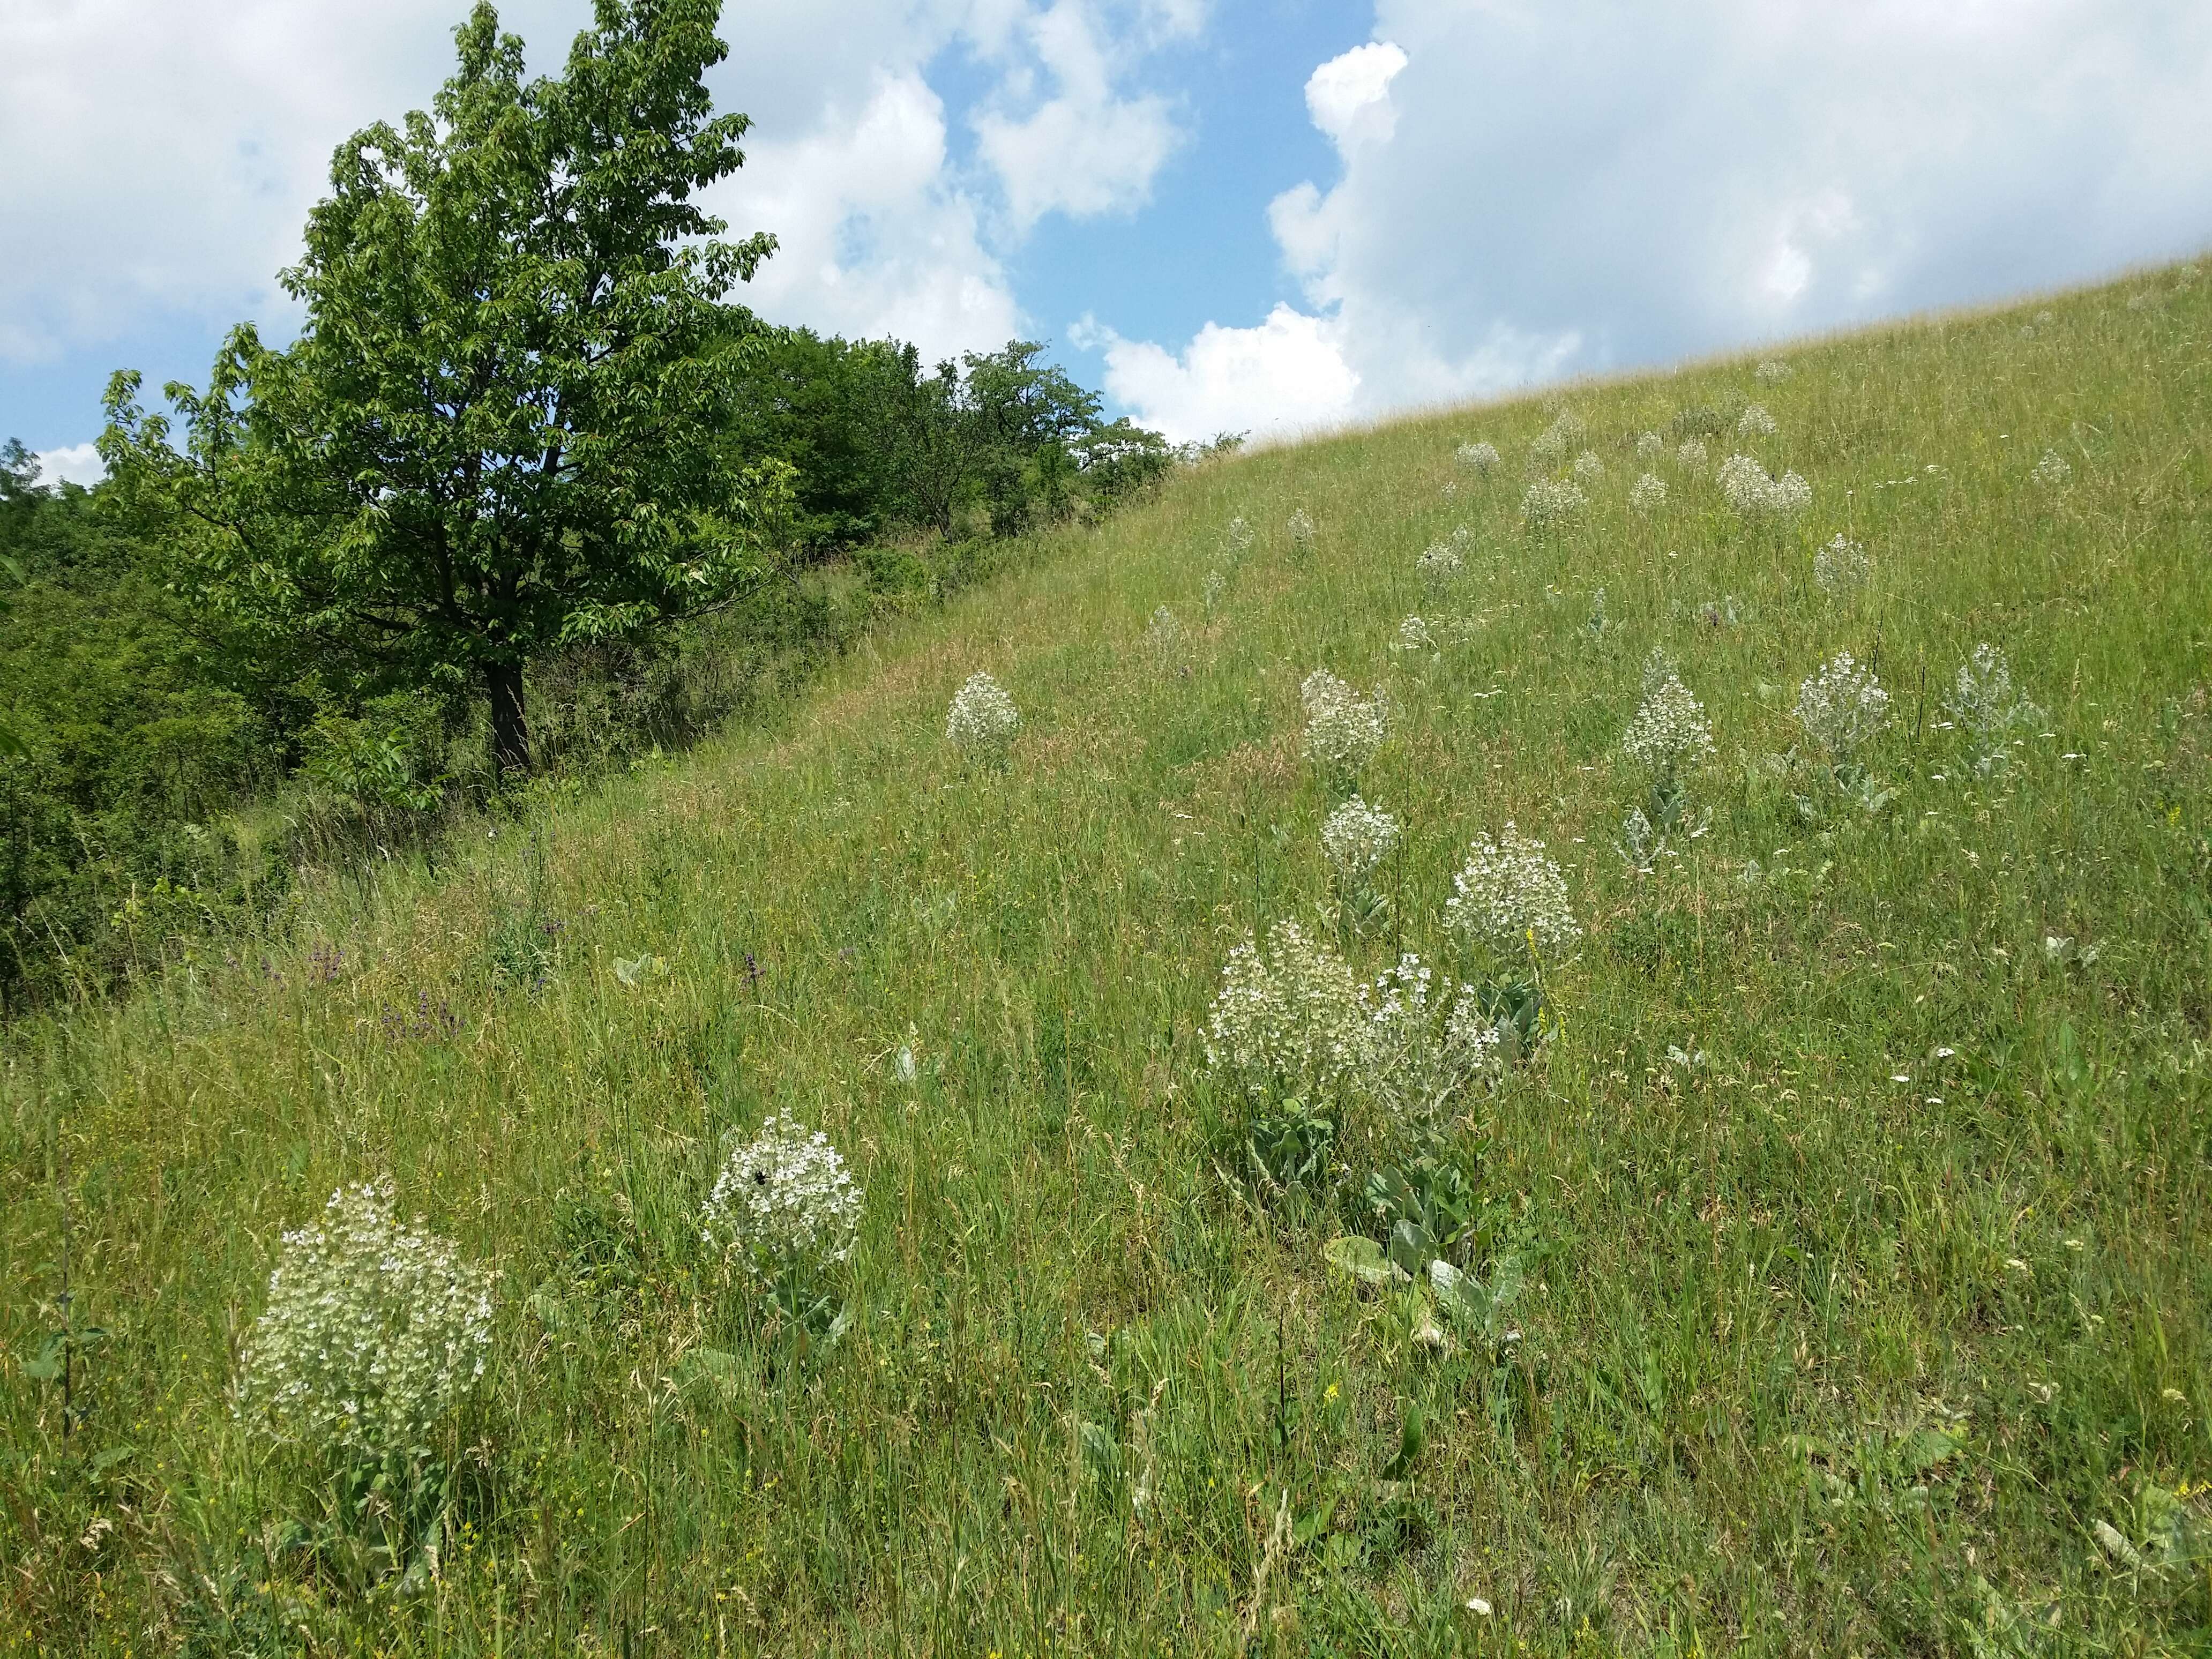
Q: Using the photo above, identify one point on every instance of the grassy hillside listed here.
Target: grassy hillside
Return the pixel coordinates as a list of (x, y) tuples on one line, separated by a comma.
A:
[(1857, 1171)]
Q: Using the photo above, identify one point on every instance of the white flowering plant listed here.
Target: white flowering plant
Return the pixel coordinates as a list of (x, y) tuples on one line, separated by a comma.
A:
[(1303, 532), (1841, 707), (982, 720), (1588, 469), (1164, 639), (1754, 423), (1551, 444), (1510, 902), (1297, 1043), (1984, 704), (375, 1329), (1841, 567), (1481, 458), (1647, 493), (1669, 729), (1287, 1022), (1440, 565), (1355, 839), (1343, 729), (1759, 498), (1510, 909), (1237, 541), (784, 1210), (1649, 445), (1428, 1040), (1550, 504), (376, 1332), (1689, 453), (2052, 469)]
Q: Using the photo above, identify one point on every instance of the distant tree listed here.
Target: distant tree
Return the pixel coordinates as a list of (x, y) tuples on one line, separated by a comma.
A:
[(1120, 460), (1025, 413), (995, 426), (818, 405), (503, 425)]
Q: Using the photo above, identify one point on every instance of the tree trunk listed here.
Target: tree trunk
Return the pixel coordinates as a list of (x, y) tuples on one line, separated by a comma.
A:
[(510, 729)]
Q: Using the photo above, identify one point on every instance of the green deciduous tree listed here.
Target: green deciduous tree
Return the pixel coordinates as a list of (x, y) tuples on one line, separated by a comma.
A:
[(501, 425)]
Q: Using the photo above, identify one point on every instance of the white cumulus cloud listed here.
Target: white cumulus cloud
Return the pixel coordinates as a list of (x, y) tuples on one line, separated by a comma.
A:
[(874, 235), (1286, 376), (1090, 148), (162, 155), (76, 464), (1350, 94), (1526, 190)]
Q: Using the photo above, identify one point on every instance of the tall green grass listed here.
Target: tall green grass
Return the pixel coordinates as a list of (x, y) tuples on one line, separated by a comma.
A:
[(1845, 1331)]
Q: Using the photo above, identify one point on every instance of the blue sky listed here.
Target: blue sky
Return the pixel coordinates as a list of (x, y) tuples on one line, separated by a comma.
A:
[(1264, 214)]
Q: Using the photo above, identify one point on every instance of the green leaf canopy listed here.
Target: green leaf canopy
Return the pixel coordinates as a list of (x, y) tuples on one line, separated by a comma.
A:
[(501, 427)]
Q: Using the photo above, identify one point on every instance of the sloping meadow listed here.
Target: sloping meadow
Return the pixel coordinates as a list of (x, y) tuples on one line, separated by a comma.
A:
[(1786, 1232)]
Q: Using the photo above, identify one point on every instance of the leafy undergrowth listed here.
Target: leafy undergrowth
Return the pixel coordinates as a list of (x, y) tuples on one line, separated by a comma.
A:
[(1824, 1243)]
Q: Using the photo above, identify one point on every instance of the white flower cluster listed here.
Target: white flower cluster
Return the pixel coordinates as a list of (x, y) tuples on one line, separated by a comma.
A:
[(2053, 469), (1237, 540), (1841, 566), (1414, 635), (1289, 1021), (1292, 1020), (784, 1199), (1691, 453), (1550, 503), (1426, 1040), (983, 719), (1588, 469), (1509, 894), (1755, 496), (1164, 636), (1301, 526), (1772, 372), (1355, 839), (1440, 562), (1842, 706), (1649, 493), (374, 1329), (1551, 446), (1985, 704), (1216, 585), (1478, 457), (1648, 446), (1343, 729), (1670, 728), (1754, 421)]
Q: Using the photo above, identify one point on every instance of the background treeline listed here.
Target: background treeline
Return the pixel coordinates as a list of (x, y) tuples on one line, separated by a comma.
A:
[(164, 776)]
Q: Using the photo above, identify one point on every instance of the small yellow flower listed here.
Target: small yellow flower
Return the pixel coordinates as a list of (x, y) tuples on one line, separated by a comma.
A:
[(1328, 1394)]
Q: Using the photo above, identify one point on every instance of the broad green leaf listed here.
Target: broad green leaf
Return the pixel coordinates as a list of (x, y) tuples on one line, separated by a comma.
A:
[(1364, 1259)]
